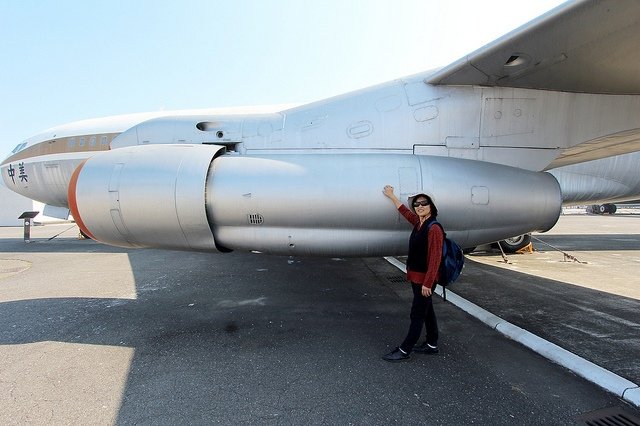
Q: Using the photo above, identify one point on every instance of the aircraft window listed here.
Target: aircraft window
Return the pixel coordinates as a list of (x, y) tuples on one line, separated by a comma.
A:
[(81, 143), (103, 141), (72, 142), (19, 147), (92, 141)]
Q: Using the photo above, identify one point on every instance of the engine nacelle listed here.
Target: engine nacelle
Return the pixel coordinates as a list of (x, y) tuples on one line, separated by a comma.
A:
[(145, 196), (332, 205), (191, 197)]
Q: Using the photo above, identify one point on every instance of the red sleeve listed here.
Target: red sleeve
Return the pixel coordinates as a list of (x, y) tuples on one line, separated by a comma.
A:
[(434, 255), (411, 217)]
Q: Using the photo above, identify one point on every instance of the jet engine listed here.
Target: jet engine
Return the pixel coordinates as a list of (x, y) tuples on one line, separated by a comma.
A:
[(196, 197)]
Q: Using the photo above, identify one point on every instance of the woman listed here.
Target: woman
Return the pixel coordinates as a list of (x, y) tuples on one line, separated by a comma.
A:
[(423, 262)]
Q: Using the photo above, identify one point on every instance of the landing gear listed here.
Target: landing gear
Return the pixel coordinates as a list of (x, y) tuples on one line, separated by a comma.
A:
[(513, 244), (510, 245), (602, 209)]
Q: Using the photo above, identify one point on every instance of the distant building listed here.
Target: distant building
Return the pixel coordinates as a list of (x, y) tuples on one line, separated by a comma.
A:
[(13, 205)]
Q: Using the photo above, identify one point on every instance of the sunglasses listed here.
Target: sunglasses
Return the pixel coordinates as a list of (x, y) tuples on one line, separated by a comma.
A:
[(421, 203)]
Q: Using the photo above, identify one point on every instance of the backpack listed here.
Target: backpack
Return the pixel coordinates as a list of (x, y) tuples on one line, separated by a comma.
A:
[(451, 263)]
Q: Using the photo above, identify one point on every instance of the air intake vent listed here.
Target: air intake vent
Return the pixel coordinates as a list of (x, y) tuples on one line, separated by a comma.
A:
[(255, 219), (205, 126)]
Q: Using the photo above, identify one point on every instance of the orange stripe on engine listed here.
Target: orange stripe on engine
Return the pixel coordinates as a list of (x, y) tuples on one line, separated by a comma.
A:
[(73, 203)]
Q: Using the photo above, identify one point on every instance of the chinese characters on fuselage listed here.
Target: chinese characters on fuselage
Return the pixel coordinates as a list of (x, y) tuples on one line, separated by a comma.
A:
[(22, 174)]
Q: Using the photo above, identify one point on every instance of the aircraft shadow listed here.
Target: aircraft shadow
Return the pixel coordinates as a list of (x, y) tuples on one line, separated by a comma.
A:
[(576, 318), (245, 337), (202, 324)]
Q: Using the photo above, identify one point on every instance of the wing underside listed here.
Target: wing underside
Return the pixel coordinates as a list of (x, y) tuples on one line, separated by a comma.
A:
[(581, 46)]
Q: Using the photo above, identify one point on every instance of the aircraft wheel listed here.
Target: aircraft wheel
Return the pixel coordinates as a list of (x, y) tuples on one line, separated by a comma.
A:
[(602, 209), (611, 208), (511, 245)]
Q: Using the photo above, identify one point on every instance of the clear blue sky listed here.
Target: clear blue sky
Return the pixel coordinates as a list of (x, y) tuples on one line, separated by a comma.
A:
[(64, 60)]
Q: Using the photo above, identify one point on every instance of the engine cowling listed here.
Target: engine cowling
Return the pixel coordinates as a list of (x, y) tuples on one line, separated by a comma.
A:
[(145, 196), (332, 204), (191, 197)]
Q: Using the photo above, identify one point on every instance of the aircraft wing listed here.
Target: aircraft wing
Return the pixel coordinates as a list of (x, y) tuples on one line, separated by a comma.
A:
[(588, 46)]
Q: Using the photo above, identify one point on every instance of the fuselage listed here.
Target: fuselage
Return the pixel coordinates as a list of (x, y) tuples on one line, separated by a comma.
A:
[(608, 180), (495, 142), (40, 167), (523, 128)]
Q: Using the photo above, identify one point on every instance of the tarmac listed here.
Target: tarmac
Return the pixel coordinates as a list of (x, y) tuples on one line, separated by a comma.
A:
[(94, 334)]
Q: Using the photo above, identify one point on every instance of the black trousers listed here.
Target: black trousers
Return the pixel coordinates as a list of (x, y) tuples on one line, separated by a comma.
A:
[(421, 313)]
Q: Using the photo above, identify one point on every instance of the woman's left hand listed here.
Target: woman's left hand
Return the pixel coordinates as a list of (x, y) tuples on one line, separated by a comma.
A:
[(388, 191), (426, 291)]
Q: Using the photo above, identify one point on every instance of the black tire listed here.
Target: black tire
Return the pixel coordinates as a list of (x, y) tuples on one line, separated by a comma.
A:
[(602, 209), (611, 208), (512, 245)]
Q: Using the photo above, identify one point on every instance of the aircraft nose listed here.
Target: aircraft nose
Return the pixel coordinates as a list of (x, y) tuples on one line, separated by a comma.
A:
[(14, 175)]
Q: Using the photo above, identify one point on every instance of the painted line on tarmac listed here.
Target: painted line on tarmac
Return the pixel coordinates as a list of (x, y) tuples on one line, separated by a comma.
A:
[(607, 380)]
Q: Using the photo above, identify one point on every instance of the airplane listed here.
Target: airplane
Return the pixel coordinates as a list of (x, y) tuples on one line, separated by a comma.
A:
[(601, 182), (478, 135), (597, 183)]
